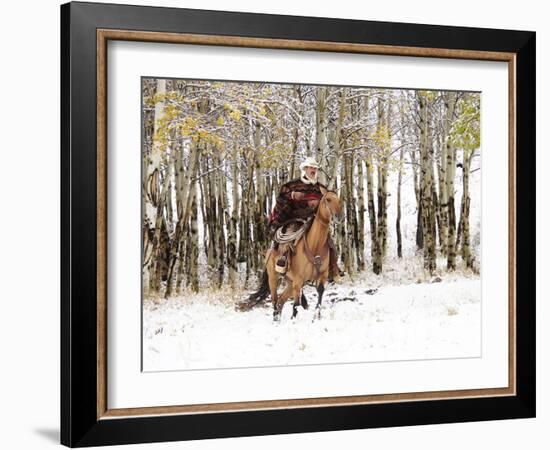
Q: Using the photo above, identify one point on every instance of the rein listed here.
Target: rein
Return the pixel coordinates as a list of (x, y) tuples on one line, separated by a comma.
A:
[(327, 223), (316, 260), (317, 216)]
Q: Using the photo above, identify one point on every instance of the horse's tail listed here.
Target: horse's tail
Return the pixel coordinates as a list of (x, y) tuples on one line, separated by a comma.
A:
[(262, 292), (256, 297)]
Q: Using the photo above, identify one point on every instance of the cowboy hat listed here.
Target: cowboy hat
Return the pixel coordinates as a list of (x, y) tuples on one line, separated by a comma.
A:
[(309, 162)]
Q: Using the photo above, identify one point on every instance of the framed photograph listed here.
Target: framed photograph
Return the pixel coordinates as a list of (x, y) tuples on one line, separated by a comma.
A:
[(277, 224)]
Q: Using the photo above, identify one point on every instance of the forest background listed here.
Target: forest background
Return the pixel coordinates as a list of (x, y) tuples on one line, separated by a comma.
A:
[(405, 163)]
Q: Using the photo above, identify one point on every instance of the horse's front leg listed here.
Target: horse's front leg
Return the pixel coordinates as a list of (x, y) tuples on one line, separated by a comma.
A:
[(273, 282), (278, 305), (320, 291), (297, 294), (304, 301)]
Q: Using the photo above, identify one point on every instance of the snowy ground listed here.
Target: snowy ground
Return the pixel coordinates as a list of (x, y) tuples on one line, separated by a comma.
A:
[(437, 318)]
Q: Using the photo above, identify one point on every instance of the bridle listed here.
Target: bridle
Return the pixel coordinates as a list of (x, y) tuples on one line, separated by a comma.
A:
[(331, 212)]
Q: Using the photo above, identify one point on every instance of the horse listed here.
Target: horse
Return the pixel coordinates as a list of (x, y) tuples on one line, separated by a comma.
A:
[(309, 263)]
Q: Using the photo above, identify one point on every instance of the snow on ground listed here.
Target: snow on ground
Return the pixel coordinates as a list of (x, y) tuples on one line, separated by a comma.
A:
[(438, 318)]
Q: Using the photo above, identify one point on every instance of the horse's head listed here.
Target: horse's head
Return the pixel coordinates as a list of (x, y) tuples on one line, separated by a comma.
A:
[(330, 205)]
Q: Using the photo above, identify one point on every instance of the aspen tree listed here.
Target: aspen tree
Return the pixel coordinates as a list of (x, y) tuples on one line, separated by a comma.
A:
[(233, 222), (449, 160), (151, 184), (426, 180)]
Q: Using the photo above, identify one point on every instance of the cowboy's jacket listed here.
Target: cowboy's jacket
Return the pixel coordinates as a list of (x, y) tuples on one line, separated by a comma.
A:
[(286, 208)]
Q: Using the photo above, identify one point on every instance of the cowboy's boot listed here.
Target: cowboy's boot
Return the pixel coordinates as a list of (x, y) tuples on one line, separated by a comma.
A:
[(334, 272), (280, 264)]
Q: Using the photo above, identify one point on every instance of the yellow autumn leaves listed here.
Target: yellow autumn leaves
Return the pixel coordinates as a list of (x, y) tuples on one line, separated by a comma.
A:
[(195, 126), (182, 119)]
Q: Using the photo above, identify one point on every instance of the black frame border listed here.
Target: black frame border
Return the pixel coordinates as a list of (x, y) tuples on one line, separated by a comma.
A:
[(79, 423)]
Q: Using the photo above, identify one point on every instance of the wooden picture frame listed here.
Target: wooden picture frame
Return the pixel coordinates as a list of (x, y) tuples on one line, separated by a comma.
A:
[(86, 419)]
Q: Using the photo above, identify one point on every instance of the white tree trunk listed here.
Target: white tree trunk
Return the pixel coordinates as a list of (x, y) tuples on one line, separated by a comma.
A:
[(321, 131), (151, 187)]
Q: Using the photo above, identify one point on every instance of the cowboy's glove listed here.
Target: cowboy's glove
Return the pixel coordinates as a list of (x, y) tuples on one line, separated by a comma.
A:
[(295, 195)]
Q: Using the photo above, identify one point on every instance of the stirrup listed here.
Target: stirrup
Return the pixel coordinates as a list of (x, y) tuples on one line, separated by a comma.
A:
[(280, 265)]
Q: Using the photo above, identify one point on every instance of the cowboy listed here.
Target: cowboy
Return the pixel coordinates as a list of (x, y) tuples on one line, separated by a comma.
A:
[(297, 201)]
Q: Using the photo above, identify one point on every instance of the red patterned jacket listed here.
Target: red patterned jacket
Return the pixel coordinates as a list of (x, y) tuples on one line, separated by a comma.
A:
[(286, 208)]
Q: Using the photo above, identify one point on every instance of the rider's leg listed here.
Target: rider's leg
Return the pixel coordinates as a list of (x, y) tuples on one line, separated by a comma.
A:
[(334, 270)]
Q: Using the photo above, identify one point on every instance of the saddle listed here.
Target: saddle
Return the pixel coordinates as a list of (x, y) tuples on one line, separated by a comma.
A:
[(290, 236), (288, 239)]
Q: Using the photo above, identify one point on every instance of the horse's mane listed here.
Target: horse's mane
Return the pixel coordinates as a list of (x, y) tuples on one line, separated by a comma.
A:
[(326, 189)]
